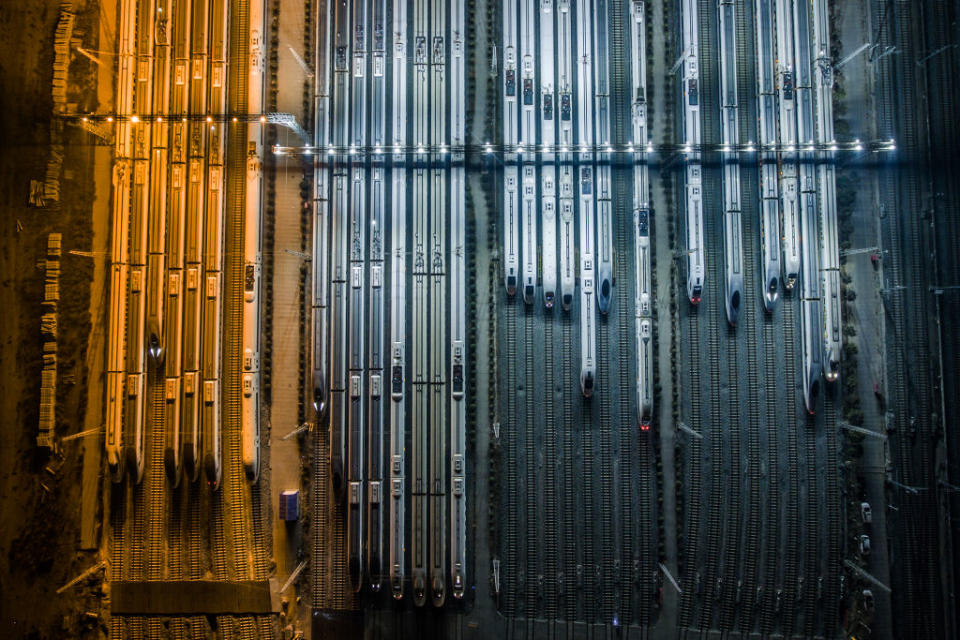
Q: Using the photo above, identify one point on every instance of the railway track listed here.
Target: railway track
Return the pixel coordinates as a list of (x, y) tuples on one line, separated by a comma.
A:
[(731, 564), (722, 501), (752, 554), (552, 476), (632, 565), (940, 77), (720, 494), (922, 542), (527, 430), (692, 510), (236, 489), (631, 459), (587, 566), (773, 568), (817, 514), (836, 531), (784, 597), (155, 481), (510, 575), (566, 578), (753, 322), (900, 195)]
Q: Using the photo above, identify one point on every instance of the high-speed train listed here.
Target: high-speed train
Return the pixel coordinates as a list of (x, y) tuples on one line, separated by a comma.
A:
[(529, 208), (398, 304), (811, 300), (567, 245), (787, 92), (644, 319), (528, 137), (548, 171), (641, 219), (767, 127), (138, 344), (587, 182), (690, 101), (339, 265), (826, 174), (211, 419), (376, 320), (321, 222), (810, 314), (511, 205), (458, 312), (156, 238), (511, 213), (194, 222), (173, 331), (119, 241), (604, 284), (733, 240), (437, 537), (420, 321), (588, 350), (357, 343), (250, 375), (565, 169)]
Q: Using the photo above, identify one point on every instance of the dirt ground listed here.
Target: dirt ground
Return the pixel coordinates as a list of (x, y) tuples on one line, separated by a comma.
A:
[(40, 494)]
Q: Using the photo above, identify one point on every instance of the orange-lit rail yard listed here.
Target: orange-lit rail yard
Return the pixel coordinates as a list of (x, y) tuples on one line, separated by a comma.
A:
[(468, 319)]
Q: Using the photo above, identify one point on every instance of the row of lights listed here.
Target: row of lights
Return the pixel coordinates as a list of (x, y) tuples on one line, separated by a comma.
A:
[(488, 148), (134, 119), (857, 145)]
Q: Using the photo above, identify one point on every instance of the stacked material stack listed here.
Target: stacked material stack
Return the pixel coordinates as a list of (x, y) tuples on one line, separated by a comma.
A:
[(48, 328), (61, 59), (61, 68)]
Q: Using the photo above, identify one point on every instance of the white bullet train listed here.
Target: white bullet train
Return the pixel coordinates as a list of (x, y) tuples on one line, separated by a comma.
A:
[(250, 363), (733, 240), (511, 204), (548, 171), (643, 304), (767, 127), (588, 271), (826, 177), (787, 94), (691, 130), (566, 180)]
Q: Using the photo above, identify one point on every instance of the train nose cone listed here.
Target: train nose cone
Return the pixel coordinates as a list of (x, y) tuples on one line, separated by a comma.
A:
[(548, 299), (397, 589), (511, 285), (458, 586), (154, 348), (603, 296), (438, 589), (419, 591), (528, 294), (587, 385), (567, 301), (770, 295), (733, 309)]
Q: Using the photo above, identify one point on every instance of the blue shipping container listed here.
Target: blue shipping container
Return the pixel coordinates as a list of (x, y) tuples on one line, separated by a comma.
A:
[(290, 506)]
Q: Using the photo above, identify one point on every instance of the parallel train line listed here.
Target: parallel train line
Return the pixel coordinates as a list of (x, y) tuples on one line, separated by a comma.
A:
[(720, 496), (747, 585), (784, 596), (552, 475), (531, 568)]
